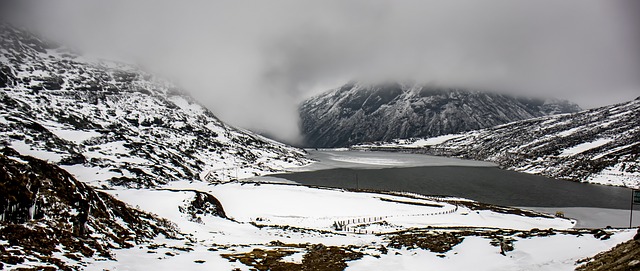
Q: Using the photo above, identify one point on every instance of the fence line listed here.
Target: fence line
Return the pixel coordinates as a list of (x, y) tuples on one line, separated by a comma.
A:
[(229, 173), (351, 225)]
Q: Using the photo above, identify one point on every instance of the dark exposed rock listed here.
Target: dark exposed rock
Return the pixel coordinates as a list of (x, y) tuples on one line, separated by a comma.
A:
[(202, 204), (317, 257), (6, 77), (435, 242)]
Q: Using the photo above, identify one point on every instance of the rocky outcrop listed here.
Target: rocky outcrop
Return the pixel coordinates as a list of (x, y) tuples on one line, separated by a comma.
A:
[(47, 212), (625, 256)]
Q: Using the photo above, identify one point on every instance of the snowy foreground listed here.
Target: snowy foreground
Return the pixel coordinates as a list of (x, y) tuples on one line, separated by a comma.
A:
[(282, 223)]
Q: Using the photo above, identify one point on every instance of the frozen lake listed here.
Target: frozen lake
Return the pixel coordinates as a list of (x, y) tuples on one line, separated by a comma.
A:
[(331, 159), (481, 181)]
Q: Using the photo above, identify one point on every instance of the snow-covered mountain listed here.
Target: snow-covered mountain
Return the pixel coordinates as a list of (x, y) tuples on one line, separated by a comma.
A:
[(131, 134), (356, 113), (600, 145), (113, 124)]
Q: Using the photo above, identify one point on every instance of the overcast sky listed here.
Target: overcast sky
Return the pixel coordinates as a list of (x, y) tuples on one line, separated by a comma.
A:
[(252, 62)]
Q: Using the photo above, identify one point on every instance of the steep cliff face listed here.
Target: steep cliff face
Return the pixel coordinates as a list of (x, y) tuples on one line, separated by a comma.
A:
[(47, 216), (113, 124), (600, 145), (356, 113)]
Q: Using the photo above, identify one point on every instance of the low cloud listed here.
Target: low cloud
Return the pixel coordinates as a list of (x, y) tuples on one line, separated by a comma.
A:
[(251, 62)]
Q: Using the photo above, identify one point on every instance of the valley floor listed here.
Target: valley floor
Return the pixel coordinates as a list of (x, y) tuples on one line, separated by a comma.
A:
[(271, 225), (267, 224)]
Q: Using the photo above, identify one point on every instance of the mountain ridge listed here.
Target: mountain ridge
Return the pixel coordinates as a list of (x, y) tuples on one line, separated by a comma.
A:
[(599, 145), (356, 113)]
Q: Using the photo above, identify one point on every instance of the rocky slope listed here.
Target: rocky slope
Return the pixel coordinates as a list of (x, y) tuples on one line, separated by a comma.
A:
[(356, 113), (51, 220), (600, 145), (113, 124), (625, 256)]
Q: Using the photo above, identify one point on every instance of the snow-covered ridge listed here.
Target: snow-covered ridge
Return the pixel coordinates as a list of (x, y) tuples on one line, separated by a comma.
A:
[(357, 113), (600, 145), (113, 124)]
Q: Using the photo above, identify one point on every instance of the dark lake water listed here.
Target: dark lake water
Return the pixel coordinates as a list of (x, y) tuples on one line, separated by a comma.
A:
[(484, 184)]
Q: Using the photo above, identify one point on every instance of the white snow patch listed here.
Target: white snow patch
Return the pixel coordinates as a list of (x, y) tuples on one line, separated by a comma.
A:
[(26, 149), (433, 140), (90, 174), (294, 258), (75, 136), (584, 147), (192, 108), (614, 150), (569, 132), (613, 175)]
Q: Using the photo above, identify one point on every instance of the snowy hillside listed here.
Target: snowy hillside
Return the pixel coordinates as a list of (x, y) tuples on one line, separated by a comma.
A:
[(112, 124), (48, 218), (357, 113), (600, 145)]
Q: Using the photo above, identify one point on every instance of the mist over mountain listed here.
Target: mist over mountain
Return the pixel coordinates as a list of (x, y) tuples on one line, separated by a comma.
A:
[(251, 63), (115, 124), (357, 113)]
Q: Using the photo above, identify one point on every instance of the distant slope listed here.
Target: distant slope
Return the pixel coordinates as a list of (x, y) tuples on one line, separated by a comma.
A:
[(113, 124), (357, 113), (48, 218), (600, 145)]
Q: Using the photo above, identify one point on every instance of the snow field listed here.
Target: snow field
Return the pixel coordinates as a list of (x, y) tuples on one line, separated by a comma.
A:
[(315, 208), (309, 213), (550, 253), (320, 209)]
